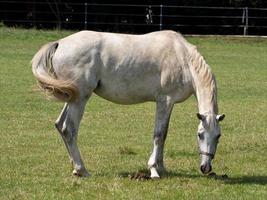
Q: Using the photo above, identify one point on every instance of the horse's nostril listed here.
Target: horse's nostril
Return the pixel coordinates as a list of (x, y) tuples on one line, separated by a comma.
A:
[(202, 168), (205, 168)]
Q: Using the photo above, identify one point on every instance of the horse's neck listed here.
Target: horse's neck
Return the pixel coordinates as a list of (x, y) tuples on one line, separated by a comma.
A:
[(204, 84), (207, 99)]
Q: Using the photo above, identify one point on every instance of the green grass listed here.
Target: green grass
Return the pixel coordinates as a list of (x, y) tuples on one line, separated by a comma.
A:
[(116, 140)]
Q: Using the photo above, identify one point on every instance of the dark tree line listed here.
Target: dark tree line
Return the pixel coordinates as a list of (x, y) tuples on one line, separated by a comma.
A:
[(70, 14), (219, 3)]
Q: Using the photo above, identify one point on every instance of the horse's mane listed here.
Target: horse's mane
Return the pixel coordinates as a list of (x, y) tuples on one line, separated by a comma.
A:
[(206, 78)]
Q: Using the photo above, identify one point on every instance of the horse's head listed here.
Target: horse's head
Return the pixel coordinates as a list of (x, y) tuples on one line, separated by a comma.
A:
[(208, 135)]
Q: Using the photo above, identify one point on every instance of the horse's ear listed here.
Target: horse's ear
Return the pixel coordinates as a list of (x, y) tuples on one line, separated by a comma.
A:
[(200, 117), (220, 117)]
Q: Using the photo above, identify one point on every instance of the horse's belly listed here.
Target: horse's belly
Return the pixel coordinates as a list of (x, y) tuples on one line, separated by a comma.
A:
[(123, 99), (126, 92)]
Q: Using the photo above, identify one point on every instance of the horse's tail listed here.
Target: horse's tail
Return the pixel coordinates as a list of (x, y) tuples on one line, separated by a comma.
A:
[(43, 70)]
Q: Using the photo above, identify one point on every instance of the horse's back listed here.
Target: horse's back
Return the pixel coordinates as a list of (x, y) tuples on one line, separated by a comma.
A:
[(126, 68)]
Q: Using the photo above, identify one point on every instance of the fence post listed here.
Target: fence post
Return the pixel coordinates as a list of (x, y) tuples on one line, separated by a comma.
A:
[(160, 19), (85, 16), (245, 15)]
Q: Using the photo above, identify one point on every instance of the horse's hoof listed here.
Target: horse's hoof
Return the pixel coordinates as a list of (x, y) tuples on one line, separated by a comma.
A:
[(154, 173), (80, 173), (155, 177)]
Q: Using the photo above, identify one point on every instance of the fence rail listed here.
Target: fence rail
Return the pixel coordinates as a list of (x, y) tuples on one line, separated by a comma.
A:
[(135, 18)]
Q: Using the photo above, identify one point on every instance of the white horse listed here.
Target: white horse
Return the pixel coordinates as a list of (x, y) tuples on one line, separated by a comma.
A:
[(128, 69)]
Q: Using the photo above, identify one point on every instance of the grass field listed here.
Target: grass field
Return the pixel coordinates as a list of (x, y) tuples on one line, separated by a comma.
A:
[(116, 140)]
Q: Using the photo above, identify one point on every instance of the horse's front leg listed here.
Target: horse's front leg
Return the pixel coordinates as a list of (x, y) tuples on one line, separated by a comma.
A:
[(68, 124), (163, 112)]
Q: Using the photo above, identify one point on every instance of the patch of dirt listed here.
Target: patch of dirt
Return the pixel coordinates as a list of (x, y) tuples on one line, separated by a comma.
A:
[(139, 176), (214, 175)]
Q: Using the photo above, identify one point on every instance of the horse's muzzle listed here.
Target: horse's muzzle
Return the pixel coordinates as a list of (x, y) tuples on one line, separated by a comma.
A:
[(206, 168)]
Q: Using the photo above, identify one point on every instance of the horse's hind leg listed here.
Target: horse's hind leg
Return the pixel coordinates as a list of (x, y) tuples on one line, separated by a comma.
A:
[(163, 112), (59, 124), (68, 125)]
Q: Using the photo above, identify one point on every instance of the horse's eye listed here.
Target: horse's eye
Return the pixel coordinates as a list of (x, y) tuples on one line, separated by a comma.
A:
[(201, 136)]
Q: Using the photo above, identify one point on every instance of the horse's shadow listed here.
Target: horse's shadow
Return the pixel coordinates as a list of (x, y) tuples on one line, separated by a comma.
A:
[(258, 180)]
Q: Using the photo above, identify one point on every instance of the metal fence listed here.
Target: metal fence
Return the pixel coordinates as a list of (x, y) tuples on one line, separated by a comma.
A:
[(135, 18)]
